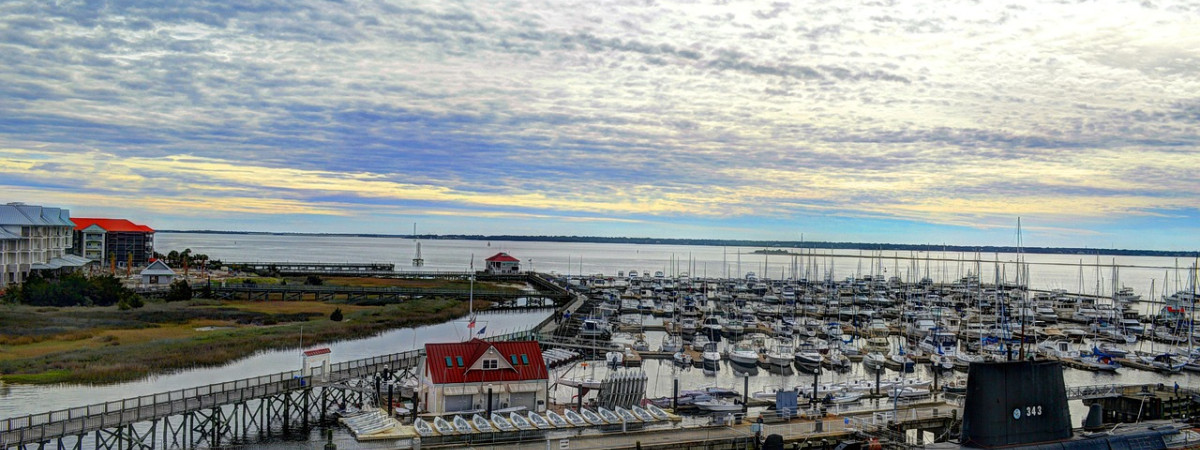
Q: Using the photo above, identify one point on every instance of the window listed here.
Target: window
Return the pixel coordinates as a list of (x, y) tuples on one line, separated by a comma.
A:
[(449, 363), (514, 359), (459, 359), (524, 359), (490, 364)]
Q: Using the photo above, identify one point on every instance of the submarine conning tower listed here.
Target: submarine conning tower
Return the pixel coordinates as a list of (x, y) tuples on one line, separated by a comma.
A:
[(1015, 403)]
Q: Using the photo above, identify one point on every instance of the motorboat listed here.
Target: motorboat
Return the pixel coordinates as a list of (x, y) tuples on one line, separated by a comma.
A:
[(807, 358), (712, 358), (719, 406), (700, 342), (780, 353), (874, 360), (671, 344), (743, 353), (846, 397), (682, 359)]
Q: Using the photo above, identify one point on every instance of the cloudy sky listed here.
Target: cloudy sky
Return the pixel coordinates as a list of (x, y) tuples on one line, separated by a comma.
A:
[(924, 121)]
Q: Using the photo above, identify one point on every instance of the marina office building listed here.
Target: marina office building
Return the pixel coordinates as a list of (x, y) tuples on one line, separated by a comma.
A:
[(35, 238)]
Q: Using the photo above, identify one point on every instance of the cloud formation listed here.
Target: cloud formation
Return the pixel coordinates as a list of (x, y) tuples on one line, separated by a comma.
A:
[(634, 114)]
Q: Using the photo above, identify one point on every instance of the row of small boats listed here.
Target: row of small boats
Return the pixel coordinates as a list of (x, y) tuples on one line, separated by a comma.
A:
[(517, 421), (555, 357)]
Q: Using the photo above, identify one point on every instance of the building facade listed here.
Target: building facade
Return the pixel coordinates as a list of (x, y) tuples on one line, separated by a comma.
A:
[(116, 242), (35, 238), (459, 376), (503, 263)]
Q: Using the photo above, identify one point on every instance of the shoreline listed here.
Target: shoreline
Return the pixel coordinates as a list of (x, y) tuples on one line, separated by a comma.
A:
[(203, 333)]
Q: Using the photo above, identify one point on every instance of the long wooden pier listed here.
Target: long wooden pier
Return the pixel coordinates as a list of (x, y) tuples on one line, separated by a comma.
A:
[(215, 414)]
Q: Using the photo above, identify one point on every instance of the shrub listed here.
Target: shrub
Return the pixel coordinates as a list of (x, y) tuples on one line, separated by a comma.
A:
[(336, 316), (180, 290)]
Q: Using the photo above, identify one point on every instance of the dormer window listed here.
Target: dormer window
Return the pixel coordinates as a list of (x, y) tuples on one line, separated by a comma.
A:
[(490, 364)]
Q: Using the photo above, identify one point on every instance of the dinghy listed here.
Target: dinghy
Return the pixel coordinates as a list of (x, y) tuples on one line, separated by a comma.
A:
[(442, 426), (423, 427), (626, 415), (519, 421), (591, 416), (501, 423), (658, 412), (481, 424), (575, 419), (462, 426), (539, 421), (643, 414), (556, 420), (608, 416)]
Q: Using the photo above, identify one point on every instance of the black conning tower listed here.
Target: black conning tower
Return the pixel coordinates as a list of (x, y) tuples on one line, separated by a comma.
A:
[(1015, 403)]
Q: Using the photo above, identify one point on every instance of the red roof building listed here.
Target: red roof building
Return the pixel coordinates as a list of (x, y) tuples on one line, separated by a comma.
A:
[(116, 241), (503, 263), (458, 376)]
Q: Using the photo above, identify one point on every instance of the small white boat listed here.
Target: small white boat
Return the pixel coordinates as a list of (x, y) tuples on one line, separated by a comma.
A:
[(657, 412), (846, 397), (625, 415), (481, 424), (586, 383), (520, 421), (682, 359), (608, 416), (642, 414), (423, 427), (874, 360), (575, 419), (539, 421), (556, 420), (462, 426), (591, 416), (501, 423), (442, 426), (719, 406)]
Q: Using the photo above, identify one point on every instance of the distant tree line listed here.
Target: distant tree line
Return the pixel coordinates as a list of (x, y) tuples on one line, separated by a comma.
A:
[(746, 243), (73, 290)]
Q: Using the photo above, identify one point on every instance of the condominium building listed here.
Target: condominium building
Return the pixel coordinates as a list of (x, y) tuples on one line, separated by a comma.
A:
[(35, 238), (113, 241)]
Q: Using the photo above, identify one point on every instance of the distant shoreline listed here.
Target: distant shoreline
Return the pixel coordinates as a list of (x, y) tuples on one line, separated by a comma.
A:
[(737, 243)]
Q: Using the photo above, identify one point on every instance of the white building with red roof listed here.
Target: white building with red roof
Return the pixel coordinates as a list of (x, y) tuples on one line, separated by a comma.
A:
[(503, 263), (458, 376)]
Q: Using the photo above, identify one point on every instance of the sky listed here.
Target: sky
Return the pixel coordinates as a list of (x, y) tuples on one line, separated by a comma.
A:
[(923, 121)]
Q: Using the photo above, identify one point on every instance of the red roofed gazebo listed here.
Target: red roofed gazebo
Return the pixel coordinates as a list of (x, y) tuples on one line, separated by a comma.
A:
[(503, 263)]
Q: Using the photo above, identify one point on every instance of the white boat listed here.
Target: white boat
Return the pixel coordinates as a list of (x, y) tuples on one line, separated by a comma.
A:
[(700, 342), (442, 426), (462, 426), (780, 353), (712, 358), (556, 420), (591, 416), (808, 358), (501, 423), (574, 418), (627, 415), (481, 424), (539, 421), (520, 421), (743, 353), (671, 344), (657, 412), (837, 360), (682, 359), (423, 427), (874, 360), (846, 397), (608, 416), (614, 358), (587, 383), (646, 416), (719, 405)]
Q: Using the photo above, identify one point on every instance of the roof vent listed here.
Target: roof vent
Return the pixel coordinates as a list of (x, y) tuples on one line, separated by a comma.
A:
[(15, 203)]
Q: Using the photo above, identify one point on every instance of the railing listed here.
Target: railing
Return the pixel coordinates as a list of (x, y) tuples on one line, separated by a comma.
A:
[(133, 410)]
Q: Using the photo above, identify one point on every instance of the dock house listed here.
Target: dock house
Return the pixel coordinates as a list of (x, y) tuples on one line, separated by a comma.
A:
[(460, 376), (502, 264)]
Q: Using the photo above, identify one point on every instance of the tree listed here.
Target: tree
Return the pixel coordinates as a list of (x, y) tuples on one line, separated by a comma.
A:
[(173, 257), (336, 316), (180, 290), (313, 280)]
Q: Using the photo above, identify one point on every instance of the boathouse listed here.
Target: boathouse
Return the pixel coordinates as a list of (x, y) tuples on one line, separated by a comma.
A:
[(459, 376), (157, 274), (316, 364), (503, 263)]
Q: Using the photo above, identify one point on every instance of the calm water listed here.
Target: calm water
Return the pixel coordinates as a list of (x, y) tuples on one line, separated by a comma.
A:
[(1071, 272)]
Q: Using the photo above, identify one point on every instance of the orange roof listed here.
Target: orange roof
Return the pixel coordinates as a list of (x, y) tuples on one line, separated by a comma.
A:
[(115, 225), (502, 257)]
